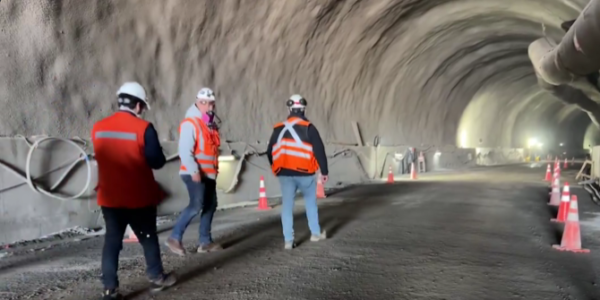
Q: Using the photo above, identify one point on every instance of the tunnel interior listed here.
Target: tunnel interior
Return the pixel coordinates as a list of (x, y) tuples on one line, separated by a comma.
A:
[(443, 72)]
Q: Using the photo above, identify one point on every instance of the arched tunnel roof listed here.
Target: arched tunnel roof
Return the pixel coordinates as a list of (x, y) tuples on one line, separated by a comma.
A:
[(412, 72)]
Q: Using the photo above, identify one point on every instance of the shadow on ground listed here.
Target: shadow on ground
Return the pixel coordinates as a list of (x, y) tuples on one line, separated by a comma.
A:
[(243, 243)]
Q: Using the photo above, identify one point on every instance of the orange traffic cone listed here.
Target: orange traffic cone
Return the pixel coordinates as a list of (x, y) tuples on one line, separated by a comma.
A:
[(263, 203), (320, 188), (565, 166), (563, 209), (555, 194), (556, 173), (413, 172), (548, 174), (390, 176), (130, 236), (571, 238)]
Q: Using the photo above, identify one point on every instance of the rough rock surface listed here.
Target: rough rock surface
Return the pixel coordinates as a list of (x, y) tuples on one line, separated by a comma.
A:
[(406, 70)]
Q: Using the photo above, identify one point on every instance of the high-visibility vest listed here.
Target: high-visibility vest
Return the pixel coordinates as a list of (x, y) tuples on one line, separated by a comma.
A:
[(206, 147), (293, 150), (124, 178)]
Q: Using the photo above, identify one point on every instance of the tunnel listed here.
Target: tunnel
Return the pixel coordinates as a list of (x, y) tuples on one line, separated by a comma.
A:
[(451, 72), (429, 110)]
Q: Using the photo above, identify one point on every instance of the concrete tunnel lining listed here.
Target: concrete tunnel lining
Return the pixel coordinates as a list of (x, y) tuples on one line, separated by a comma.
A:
[(409, 72)]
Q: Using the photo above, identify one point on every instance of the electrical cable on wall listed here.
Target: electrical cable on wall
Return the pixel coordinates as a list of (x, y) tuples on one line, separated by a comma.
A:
[(27, 179), (81, 146)]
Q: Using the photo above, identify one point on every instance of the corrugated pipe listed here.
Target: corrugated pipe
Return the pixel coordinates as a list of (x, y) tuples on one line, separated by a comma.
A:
[(578, 54)]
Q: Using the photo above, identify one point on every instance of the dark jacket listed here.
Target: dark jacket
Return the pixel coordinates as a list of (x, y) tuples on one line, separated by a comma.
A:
[(152, 150), (316, 142)]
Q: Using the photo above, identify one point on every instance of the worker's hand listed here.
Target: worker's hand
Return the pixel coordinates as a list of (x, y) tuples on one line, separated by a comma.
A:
[(196, 177), (324, 178)]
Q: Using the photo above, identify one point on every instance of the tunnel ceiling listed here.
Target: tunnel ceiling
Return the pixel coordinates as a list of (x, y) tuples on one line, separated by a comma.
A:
[(410, 72)]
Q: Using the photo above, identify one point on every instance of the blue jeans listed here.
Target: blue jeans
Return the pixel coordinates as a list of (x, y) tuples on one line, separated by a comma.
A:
[(308, 186), (143, 224), (203, 196)]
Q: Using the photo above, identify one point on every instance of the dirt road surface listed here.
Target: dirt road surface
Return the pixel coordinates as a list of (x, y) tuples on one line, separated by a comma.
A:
[(479, 234)]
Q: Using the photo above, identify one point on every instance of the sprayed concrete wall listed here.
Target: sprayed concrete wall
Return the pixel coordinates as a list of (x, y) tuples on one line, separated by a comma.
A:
[(26, 214), (360, 60)]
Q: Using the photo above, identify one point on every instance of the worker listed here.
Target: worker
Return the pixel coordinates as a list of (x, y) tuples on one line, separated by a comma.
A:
[(296, 152), (199, 143), (126, 148)]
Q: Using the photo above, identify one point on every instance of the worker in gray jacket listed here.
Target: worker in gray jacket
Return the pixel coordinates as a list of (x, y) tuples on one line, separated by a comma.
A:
[(199, 143)]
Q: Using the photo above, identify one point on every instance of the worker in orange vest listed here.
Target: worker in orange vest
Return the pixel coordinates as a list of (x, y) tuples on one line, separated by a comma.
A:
[(199, 143), (126, 149), (296, 152)]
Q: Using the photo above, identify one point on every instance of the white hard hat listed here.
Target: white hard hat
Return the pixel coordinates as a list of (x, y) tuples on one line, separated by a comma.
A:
[(206, 94), (134, 89), (296, 101)]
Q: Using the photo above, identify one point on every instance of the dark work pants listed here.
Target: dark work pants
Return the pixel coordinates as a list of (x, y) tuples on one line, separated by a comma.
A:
[(143, 224)]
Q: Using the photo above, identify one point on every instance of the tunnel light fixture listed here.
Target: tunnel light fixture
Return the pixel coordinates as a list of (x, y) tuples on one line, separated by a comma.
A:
[(561, 144), (463, 139), (226, 158), (438, 153), (532, 142), (398, 156)]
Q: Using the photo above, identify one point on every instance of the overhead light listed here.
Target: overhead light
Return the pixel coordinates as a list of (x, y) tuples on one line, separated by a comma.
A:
[(561, 144), (463, 139), (532, 142), (226, 158)]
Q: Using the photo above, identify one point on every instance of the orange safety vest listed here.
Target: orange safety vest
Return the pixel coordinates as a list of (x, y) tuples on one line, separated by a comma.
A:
[(124, 178), (293, 151), (206, 148)]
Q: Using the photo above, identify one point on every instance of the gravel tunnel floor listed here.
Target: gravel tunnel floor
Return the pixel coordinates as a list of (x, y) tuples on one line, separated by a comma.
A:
[(486, 235)]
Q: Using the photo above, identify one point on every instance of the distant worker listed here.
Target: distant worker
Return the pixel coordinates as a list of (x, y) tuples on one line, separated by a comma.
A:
[(296, 152), (127, 148), (199, 143)]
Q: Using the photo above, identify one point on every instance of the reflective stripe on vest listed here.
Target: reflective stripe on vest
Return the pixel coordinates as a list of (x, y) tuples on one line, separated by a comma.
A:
[(289, 127), (198, 132), (293, 154), (206, 163), (116, 135), (124, 178)]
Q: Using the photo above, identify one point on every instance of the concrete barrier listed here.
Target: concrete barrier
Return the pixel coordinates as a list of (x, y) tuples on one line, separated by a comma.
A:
[(25, 214)]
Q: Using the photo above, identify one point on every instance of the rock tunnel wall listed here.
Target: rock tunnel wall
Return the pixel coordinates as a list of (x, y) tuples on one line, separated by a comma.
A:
[(405, 70), (409, 72)]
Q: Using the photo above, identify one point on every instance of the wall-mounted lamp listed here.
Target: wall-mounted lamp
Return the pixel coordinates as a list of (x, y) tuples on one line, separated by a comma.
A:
[(398, 156), (227, 157)]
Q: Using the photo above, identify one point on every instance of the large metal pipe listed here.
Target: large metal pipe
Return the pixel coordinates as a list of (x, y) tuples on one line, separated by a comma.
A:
[(571, 95), (578, 54)]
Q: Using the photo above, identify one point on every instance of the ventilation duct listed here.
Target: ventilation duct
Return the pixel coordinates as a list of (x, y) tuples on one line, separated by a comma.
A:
[(577, 55)]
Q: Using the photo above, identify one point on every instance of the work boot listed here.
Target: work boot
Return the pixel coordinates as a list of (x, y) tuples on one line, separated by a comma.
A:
[(175, 246), (212, 247), (112, 294), (316, 238), (289, 245), (165, 281)]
